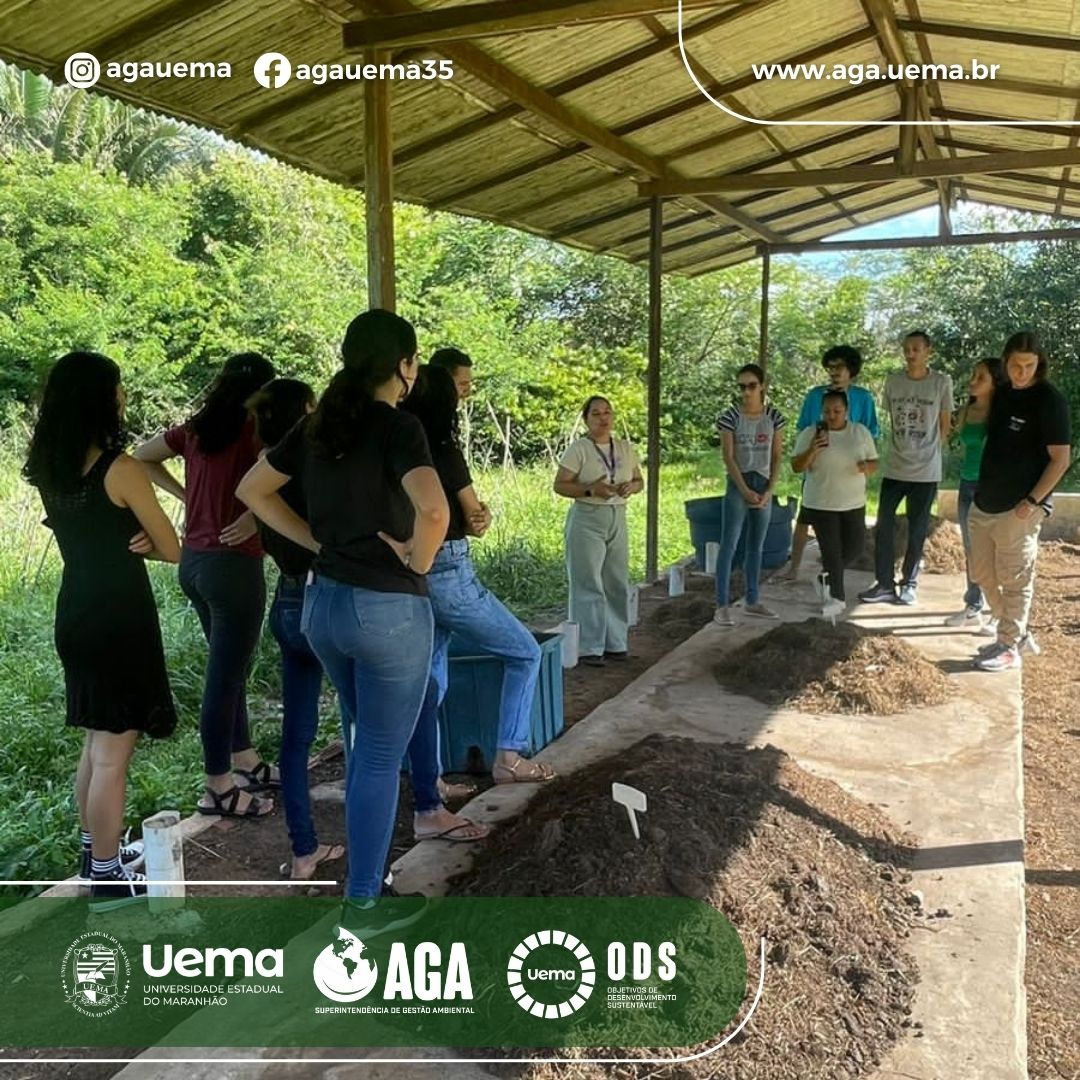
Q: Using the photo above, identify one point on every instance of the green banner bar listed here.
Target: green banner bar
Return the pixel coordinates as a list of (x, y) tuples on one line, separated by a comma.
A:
[(458, 972)]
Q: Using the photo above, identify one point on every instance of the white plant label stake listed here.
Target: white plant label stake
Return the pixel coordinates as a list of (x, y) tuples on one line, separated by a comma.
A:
[(634, 801)]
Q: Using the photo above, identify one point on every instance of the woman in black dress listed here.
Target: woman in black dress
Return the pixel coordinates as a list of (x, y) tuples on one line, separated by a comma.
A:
[(102, 509)]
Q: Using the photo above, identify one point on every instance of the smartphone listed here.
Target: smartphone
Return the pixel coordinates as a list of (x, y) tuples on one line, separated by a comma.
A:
[(823, 429)]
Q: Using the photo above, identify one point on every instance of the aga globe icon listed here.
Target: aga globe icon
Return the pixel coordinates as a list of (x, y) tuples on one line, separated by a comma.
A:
[(342, 972)]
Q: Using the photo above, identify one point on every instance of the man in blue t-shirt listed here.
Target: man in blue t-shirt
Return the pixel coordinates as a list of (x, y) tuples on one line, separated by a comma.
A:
[(843, 363)]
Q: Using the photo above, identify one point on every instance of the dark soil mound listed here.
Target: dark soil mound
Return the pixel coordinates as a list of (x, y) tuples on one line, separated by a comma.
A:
[(682, 616), (943, 554), (781, 853), (814, 666)]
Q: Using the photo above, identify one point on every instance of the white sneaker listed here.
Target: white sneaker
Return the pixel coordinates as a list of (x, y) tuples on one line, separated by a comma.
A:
[(821, 587), (761, 611), (1001, 658), (988, 629), (969, 617), (833, 608), (722, 617)]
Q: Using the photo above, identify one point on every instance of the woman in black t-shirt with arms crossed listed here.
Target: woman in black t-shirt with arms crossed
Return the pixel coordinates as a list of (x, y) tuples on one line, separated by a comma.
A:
[(377, 516), (1026, 454)]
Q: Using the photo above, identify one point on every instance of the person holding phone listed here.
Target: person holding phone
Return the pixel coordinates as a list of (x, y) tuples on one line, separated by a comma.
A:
[(836, 456), (751, 436)]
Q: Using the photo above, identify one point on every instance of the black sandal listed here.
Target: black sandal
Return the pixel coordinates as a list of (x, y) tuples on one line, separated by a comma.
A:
[(226, 802), (259, 779)]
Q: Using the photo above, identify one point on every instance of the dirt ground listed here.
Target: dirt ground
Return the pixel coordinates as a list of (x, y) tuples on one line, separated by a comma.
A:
[(943, 554), (817, 873), (1052, 814)]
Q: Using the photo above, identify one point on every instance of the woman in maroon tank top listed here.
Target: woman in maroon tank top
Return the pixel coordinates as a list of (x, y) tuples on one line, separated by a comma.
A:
[(222, 575)]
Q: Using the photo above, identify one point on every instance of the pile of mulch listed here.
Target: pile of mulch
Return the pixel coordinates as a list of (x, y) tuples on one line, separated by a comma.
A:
[(943, 553), (816, 667), (682, 616), (783, 854)]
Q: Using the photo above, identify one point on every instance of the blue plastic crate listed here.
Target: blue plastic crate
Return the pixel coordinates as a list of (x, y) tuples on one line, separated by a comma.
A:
[(469, 714)]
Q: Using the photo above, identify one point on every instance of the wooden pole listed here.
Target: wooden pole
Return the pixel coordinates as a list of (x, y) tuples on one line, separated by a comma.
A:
[(763, 332), (379, 188), (652, 493)]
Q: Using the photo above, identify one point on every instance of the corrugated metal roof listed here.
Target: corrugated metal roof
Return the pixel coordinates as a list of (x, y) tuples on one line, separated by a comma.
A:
[(480, 146)]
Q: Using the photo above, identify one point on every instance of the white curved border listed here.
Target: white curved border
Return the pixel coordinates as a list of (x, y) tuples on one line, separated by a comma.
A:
[(852, 123), (432, 1061)]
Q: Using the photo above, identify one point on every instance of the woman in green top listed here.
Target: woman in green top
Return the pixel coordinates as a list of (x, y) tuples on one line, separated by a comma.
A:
[(969, 427)]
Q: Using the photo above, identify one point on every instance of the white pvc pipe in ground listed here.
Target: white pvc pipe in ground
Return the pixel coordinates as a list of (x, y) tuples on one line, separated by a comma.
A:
[(676, 581), (570, 638), (163, 844), (633, 605), (712, 556)]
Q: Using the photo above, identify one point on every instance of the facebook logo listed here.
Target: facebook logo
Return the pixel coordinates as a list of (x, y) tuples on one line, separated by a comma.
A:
[(272, 70)]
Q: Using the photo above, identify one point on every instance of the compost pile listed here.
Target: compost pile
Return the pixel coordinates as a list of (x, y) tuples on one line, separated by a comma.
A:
[(781, 853), (943, 553), (682, 616), (816, 667)]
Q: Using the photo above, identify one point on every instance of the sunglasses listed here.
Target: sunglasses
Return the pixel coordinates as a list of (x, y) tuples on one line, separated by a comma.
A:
[(744, 386)]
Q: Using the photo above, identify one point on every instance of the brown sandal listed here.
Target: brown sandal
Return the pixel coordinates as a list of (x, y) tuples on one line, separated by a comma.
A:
[(539, 772)]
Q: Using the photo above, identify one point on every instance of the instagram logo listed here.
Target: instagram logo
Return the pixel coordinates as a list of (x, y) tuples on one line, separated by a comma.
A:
[(272, 70), (82, 70)]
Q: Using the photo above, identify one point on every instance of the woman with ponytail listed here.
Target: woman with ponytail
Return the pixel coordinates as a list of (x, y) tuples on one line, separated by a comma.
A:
[(221, 574), (376, 516)]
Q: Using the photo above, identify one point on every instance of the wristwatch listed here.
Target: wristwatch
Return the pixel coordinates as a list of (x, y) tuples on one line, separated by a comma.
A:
[(588, 493), (1031, 499)]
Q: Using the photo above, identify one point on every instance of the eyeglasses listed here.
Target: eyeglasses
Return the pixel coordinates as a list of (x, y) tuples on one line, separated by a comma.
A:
[(744, 386)]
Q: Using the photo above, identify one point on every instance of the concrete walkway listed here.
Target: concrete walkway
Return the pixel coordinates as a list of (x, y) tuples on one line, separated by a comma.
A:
[(951, 775)]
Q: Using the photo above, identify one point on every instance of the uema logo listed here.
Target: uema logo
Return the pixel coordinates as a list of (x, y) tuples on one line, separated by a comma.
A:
[(551, 974)]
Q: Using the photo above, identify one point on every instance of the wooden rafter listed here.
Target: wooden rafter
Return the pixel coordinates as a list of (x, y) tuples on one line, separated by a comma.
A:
[(639, 123), (871, 174), (571, 121), (990, 34), (139, 31), (902, 243), (497, 18), (591, 221), (1003, 194), (1035, 126), (575, 82)]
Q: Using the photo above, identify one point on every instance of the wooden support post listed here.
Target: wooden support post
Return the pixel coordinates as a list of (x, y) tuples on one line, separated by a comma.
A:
[(379, 188), (652, 493), (945, 197), (908, 113), (763, 333)]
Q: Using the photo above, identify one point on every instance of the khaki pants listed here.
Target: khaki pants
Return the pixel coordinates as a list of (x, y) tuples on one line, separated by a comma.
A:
[(1003, 553), (597, 563)]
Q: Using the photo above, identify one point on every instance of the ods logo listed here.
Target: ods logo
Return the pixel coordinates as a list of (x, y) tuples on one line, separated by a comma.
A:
[(563, 989)]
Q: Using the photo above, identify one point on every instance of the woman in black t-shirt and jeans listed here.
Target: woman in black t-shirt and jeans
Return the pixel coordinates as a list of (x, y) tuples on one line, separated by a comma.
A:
[(276, 409), (377, 516), (1026, 454)]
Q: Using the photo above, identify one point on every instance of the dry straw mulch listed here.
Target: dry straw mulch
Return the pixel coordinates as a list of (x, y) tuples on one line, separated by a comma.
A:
[(816, 667), (943, 553)]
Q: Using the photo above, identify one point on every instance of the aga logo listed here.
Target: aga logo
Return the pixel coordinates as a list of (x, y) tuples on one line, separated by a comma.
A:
[(95, 974)]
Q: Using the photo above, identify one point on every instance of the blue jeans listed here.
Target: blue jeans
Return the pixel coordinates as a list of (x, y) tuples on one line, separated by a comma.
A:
[(463, 607), (301, 683), (919, 495), (965, 496), (737, 514), (228, 592), (376, 648)]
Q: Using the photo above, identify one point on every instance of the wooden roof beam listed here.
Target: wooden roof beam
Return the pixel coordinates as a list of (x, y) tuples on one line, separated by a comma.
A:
[(573, 122), (497, 18), (872, 174), (574, 82), (1034, 126), (901, 243), (141, 30), (1006, 193), (989, 34)]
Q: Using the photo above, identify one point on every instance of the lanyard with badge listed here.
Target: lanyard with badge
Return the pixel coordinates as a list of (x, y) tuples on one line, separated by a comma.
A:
[(611, 465)]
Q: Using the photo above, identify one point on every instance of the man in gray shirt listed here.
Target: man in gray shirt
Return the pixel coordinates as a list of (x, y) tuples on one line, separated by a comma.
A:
[(919, 404)]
